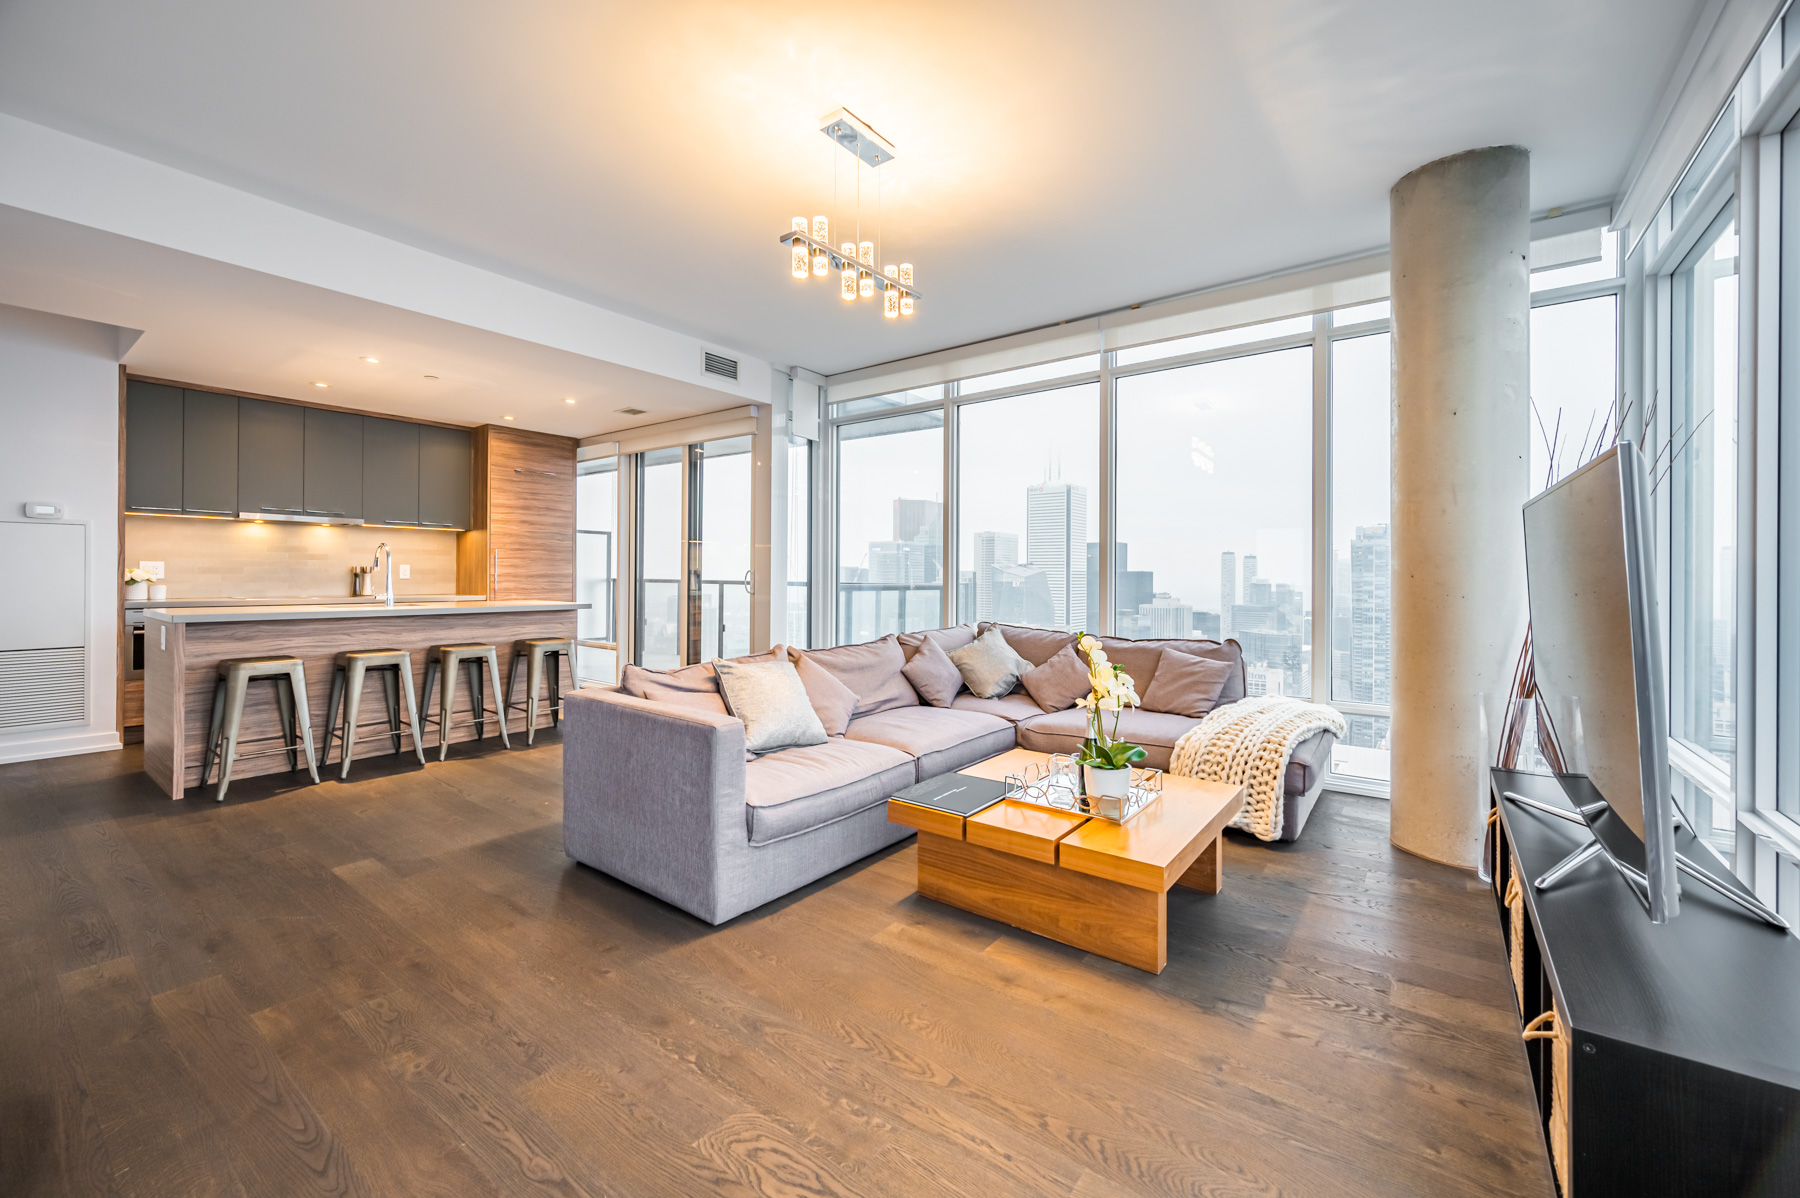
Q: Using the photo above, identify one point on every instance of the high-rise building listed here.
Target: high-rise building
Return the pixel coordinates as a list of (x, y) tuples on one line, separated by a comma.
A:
[(1021, 595), (1206, 625), (965, 594), (919, 520), (1249, 570), (1055, 532), (992, 551), (1228, 592), (1166, 618), (1371, 616)]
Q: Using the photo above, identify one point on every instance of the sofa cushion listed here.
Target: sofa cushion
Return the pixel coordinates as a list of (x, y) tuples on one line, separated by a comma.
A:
[(1140, 659), (934, 675), (797, 790), (1035, 645), (943, 739), (953, 637), (872, 670), (831, 700), (1186, 685), (1063, 732), (989, 665), (690, 686), (1312, 757), (771, 700), (1011, 708), (1058, 682)]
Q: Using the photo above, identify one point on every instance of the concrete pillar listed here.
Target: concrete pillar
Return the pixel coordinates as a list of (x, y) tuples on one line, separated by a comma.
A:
[(1460, 230)]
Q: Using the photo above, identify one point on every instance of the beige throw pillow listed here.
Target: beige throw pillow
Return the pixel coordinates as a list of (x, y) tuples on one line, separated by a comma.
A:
[(1187, 685), (989, 666), (771, 700)]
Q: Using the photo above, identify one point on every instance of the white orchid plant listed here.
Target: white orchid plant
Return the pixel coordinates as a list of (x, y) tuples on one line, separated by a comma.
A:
[(1112, 691), (137, 574)]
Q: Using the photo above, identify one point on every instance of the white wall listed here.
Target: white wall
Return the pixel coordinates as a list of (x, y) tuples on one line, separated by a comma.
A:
[(59, 443)]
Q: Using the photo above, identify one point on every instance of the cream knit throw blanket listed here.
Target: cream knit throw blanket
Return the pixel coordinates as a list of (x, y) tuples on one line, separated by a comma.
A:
[(1252, 741)]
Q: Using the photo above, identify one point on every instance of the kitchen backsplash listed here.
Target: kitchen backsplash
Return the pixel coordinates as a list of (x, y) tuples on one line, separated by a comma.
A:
[(214, 559)]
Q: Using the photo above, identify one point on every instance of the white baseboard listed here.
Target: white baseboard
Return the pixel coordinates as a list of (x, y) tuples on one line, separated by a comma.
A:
[(66, 744)]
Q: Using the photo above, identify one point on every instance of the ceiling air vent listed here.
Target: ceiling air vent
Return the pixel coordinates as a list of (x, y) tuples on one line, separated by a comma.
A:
[(719, 364), (631, 411)]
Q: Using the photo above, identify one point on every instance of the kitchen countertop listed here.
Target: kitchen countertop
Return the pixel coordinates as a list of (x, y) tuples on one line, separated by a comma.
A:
[(352, 610), (294, 601)]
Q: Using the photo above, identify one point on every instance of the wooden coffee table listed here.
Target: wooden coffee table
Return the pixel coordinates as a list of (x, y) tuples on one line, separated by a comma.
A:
[(1088, 883)]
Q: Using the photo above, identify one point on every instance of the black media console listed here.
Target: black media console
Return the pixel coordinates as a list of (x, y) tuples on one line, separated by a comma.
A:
[(1671, 1063)]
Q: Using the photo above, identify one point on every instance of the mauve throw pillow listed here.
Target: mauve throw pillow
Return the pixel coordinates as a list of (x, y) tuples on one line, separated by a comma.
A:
[(769, 697), (933, 674), (989, 666), (1187, 685), (834, 702), (1057, 683), (872, 670), (690, 686)]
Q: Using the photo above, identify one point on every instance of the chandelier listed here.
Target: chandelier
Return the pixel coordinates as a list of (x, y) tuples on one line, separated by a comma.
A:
[(809, 241)]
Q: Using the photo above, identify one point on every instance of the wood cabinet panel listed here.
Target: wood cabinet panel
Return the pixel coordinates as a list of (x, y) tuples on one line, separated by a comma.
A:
[(153, 450), (525, 516)]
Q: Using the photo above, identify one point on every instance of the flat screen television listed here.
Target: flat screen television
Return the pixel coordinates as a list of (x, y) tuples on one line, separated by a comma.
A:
[(1596, 650)]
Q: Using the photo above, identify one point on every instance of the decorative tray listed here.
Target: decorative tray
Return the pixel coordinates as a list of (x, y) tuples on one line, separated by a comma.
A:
[(1056, 784)]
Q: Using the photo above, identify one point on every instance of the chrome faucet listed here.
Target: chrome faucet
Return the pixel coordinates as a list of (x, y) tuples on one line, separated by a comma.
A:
[(388, 588)]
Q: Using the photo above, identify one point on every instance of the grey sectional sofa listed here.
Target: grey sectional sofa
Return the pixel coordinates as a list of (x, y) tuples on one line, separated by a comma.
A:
[(659, 792)]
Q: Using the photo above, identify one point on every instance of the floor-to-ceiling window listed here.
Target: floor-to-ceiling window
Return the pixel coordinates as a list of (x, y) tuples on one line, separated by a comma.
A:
[(1361, 611), (1027, 480), (660, 543), (890, 521), (725, 544), (799, 542), (1214, 509), (597, 569), (1701, 477)]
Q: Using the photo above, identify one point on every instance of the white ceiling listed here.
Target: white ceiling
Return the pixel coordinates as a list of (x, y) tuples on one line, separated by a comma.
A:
[(1055, 159)]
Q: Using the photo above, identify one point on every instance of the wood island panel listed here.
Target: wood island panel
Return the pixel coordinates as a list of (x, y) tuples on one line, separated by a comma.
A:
[(177, 714)]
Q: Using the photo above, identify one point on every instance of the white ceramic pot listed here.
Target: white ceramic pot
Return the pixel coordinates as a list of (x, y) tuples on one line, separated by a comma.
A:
[(1110, 784), (158, 591), (137, 592)]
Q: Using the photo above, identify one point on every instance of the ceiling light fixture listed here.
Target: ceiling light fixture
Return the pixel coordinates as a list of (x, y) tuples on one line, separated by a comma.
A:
[(372, 361), (506, 417), (809, 242), (321, 384), (568, 401)]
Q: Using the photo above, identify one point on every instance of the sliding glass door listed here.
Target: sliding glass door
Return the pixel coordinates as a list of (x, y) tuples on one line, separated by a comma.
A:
[(693, 552)]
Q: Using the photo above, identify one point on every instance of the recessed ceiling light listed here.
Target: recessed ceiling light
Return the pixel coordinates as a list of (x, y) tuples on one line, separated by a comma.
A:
[(372, 361), (432, 377), (506, 417), (321, 384), (568, 401), (631, 411)]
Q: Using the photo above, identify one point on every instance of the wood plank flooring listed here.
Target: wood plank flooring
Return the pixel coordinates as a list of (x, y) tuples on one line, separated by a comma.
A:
[(401, 986)]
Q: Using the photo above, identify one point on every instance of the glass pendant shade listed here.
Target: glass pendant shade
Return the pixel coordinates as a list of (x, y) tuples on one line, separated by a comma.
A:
[(821, 230), (906, 303), (801, 266), (821, 263), (892, 272), (866, 253), (906, 274), (849, 283), (890, 303), (866, 284)]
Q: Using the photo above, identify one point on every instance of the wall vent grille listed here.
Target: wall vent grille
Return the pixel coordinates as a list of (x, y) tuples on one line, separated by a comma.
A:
[(719, 364), (43, 686)]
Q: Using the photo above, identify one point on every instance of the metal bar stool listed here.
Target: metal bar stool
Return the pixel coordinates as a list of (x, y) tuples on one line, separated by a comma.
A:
[(537, 651), (235, 675), (395, 669), (445, 660)]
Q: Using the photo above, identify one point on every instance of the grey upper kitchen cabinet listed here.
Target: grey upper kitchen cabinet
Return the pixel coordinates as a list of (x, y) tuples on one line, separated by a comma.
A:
[(446, 472), (271, 458), (209, 453), (153, 452), (334, 464), (390, 468)]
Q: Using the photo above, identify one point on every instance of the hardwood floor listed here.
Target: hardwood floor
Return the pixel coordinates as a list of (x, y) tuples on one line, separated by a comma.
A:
[(400, 986)]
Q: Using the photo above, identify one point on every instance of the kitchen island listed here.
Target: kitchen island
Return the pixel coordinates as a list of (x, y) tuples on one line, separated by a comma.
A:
[(184, 645)]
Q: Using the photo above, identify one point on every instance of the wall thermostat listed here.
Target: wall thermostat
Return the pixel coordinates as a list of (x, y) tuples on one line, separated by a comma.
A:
[(44, 511)]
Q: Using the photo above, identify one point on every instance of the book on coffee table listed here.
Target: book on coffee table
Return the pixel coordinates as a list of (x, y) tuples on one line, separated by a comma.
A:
[(956, 794)]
